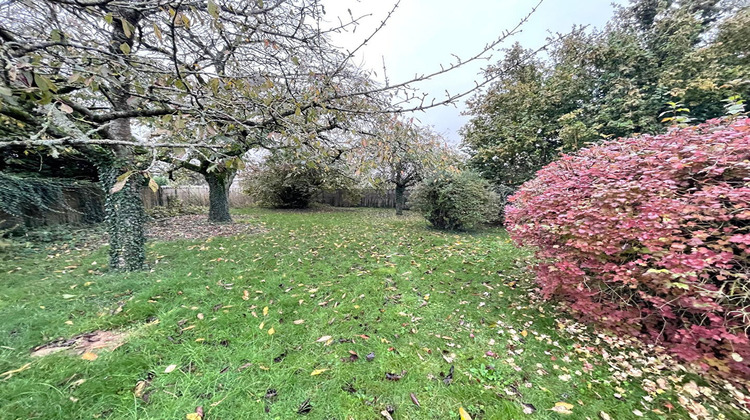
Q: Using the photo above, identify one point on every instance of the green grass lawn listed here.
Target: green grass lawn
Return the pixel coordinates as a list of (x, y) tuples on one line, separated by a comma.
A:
[(258, 324)]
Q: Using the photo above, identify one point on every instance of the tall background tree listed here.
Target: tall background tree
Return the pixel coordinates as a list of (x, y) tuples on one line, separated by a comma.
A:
[(654, 61)]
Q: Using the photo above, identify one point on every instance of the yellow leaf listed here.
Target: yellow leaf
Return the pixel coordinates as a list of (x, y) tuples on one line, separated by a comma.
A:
[(524, 333), (153, 185), (271, 331), (245, 295), (317, 372), (265, 311), (89, 356), (262, 324), (193, 416), (464, 415), (562, 408)]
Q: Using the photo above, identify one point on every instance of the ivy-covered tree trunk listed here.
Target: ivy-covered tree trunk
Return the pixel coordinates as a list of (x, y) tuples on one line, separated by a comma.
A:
[(218, 195), (123, 209), (125, 219), (400, 198)]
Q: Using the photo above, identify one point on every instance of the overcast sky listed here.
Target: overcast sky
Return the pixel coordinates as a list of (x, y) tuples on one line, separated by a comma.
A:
[(422, 34)]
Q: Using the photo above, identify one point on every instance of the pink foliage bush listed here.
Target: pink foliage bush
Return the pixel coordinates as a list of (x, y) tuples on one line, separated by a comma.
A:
[(651, 236)]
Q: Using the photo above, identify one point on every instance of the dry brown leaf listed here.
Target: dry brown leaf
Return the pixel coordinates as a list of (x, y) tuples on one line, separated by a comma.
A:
[(89, 356), (139, 388)]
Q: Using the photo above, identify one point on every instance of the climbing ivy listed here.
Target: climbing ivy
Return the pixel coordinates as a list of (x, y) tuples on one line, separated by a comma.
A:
[(125, 218)]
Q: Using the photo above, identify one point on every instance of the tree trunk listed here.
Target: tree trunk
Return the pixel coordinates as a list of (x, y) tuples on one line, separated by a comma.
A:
[(125, 218), (218, 195), (123, 210), (400, 198)]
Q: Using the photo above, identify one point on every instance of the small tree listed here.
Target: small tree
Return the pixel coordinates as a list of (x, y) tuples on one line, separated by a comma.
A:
[(401, 154), (455, 200)]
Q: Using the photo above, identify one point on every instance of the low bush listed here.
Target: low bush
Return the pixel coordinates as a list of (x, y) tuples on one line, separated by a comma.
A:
[(455, 200), (284, 185), (651, 236)]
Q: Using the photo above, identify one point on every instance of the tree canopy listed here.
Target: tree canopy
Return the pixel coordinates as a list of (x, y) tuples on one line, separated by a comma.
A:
[(657, 62)]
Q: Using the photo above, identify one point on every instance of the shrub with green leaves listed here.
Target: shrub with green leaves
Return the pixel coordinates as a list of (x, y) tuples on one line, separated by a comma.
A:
[(455, 200), (284, 185)]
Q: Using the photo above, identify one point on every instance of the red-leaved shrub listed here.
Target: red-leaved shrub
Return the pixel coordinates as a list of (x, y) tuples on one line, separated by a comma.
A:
[(651, 236)]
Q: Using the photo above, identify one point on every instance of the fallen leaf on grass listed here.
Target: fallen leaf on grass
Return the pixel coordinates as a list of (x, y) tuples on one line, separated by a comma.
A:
[(528, 408), (463, 413), (89, 356), (414, 399), (170, 368), (245, 295), (448, 378), (299, 321), (318, 372), (353, 357), (305, 407), (395, 376), (562, 408), (265, 311), (370, 356), (386, 415), (271, 331), (604, 416), (139, 388), (198, 415)]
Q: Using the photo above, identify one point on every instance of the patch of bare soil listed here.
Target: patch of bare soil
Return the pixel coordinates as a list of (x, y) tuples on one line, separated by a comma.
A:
[(90, 343), (198, 227)]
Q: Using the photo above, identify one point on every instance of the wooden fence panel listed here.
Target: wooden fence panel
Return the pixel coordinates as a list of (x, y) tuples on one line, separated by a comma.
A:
[(85, 206)]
